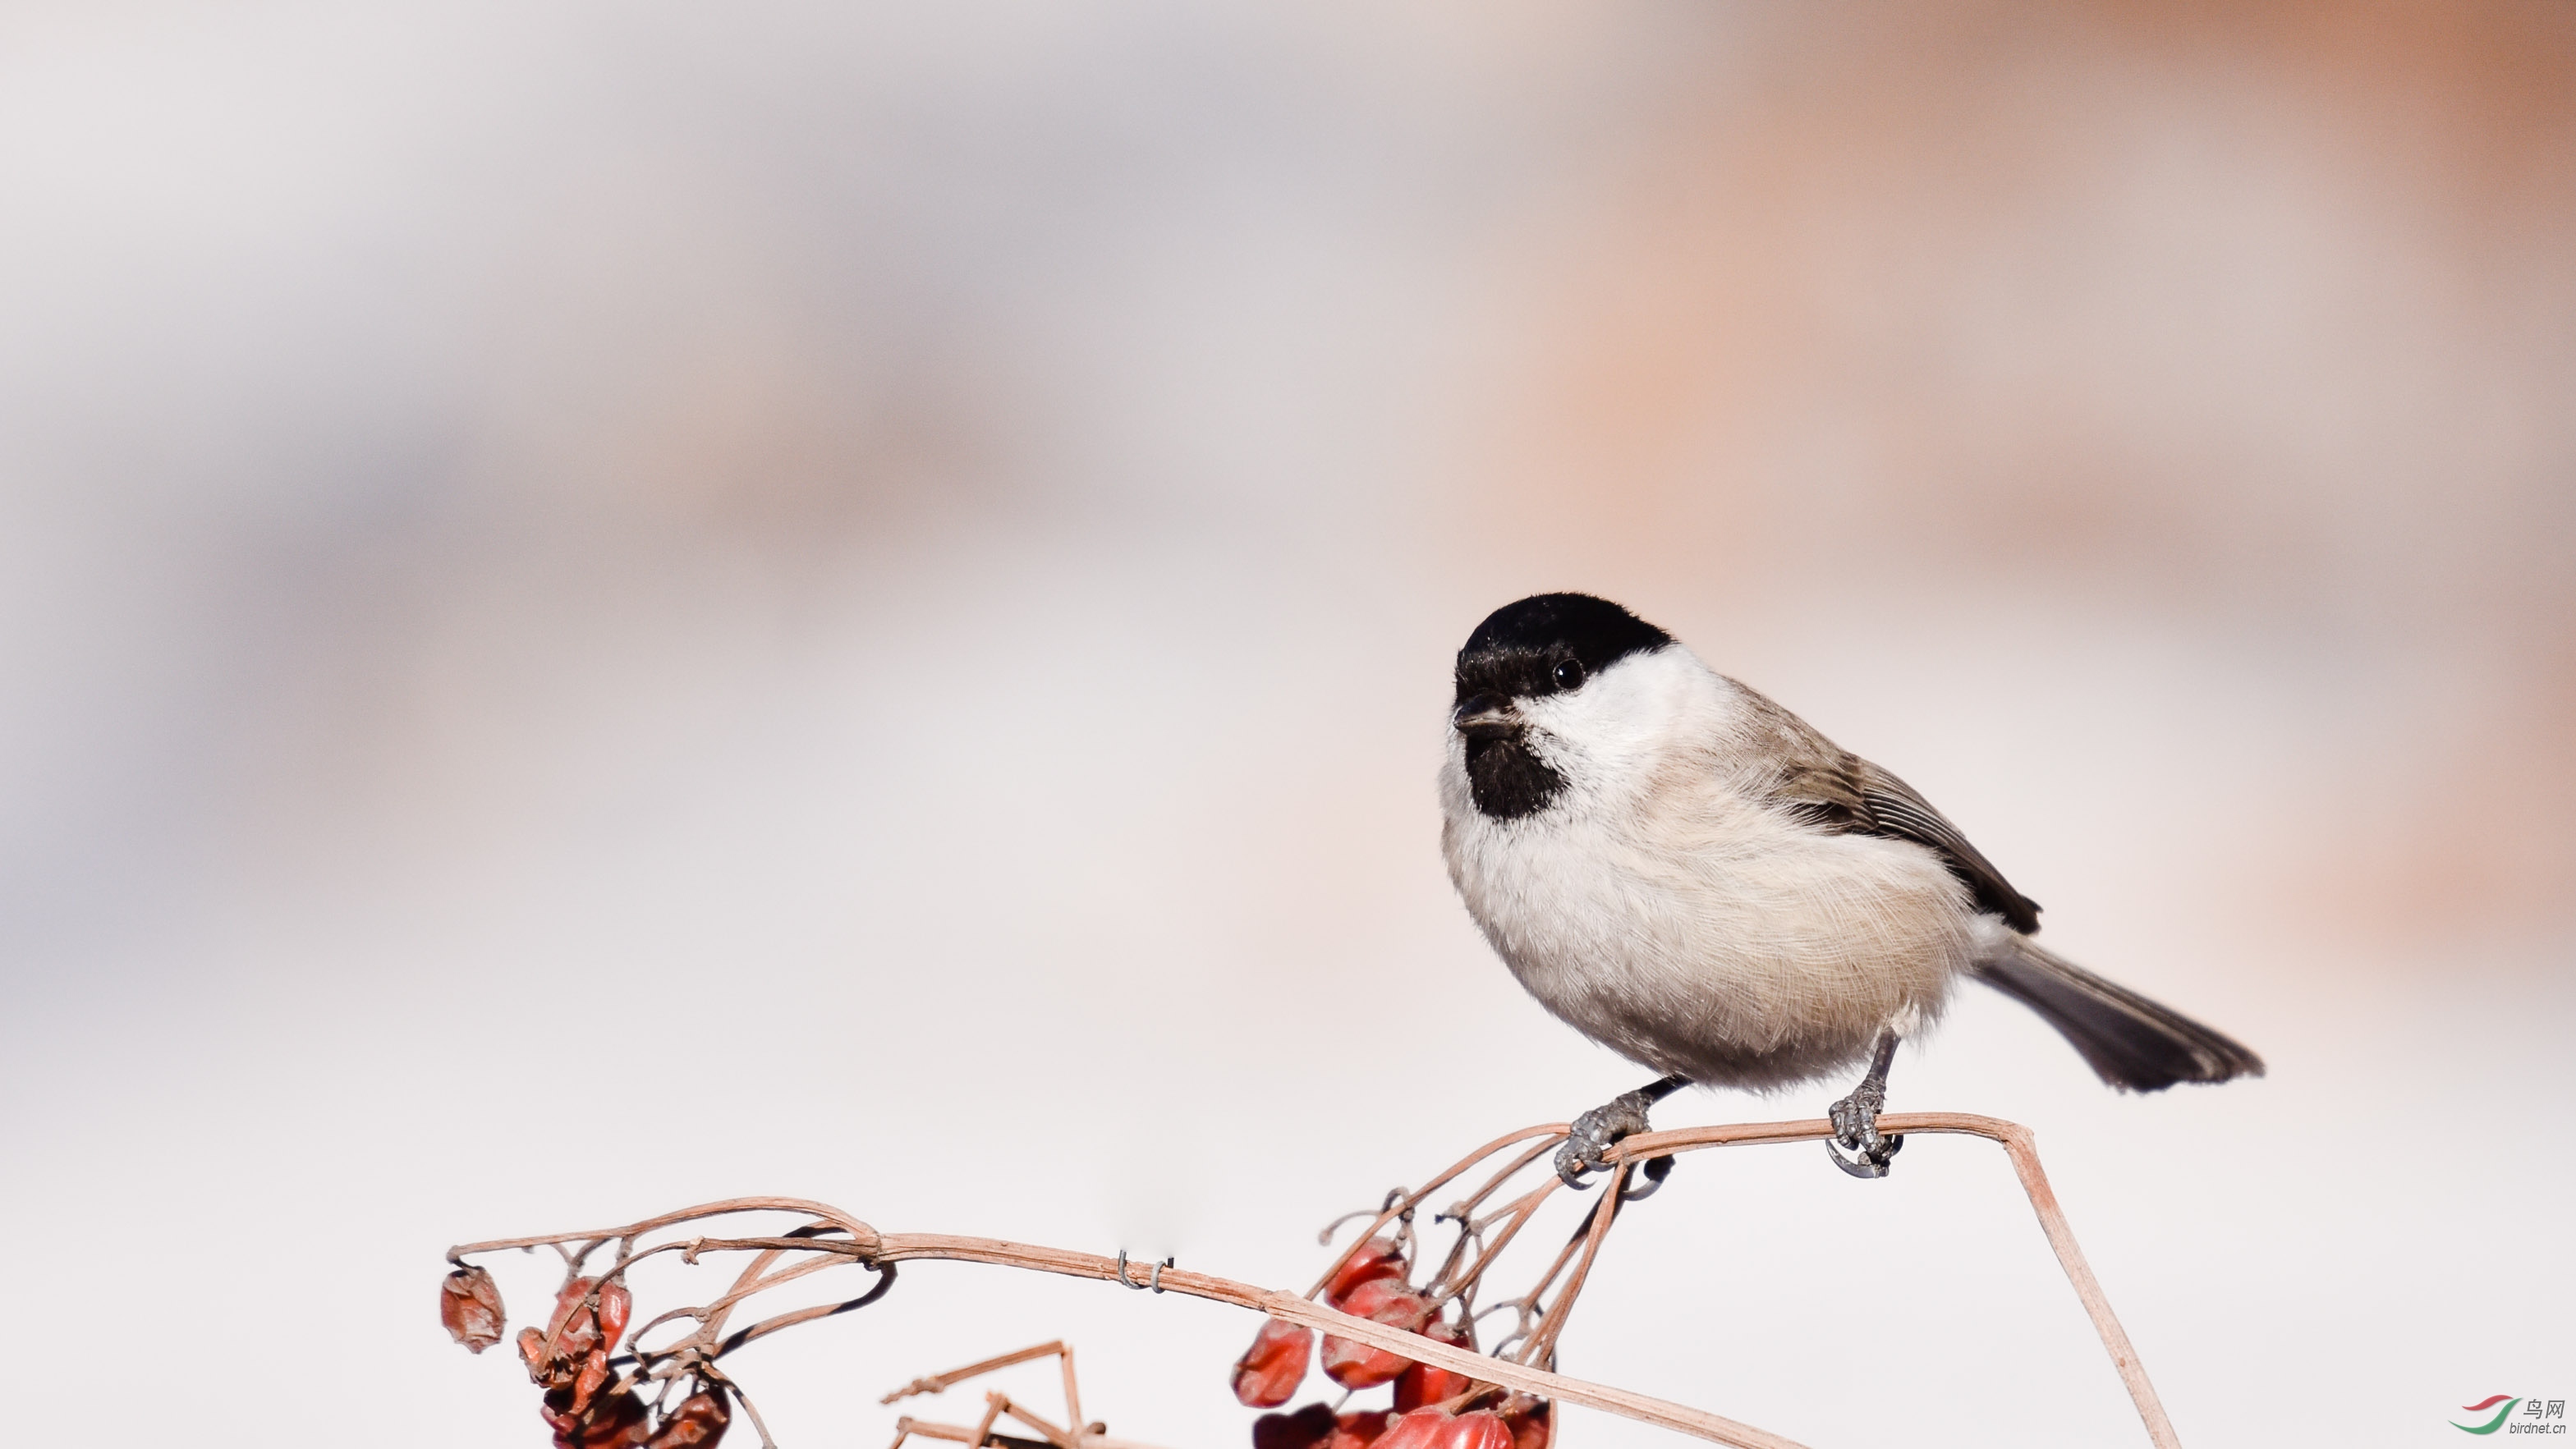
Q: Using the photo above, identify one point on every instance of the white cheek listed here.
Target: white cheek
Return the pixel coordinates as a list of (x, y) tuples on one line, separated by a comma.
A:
[(1611, 735)]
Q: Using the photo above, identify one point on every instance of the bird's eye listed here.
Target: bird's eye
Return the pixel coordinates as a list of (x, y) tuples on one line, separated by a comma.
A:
[(1569, 675)]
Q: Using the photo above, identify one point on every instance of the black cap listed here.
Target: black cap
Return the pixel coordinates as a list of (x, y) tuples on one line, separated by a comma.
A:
[(1516, 650)]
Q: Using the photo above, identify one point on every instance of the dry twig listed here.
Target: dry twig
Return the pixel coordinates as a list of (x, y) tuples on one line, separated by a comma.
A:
[(1087, 1436), (597, 1398)]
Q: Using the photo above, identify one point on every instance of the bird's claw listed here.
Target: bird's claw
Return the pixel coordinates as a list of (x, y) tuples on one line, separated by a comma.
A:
[(1856, 1127), (1649, 1177), (1587, 1145)]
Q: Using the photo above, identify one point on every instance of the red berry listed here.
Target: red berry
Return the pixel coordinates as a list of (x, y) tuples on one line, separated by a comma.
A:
[(575, 1331), (1420, 1429), (615, 1303), (614, 1422), (1355, 1365), (541, 1370), (592, 1378), (571, 1357), (1304, 1429), (1274, 1366), (697, 1424), (1423, 1384), (1482, 1429), (1358, 1429), (1531, 1421), (469, 1303), (1376, 1297), (1377, 1258)]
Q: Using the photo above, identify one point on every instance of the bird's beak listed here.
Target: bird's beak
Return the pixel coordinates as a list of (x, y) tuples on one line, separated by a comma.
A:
[(1484, 717)]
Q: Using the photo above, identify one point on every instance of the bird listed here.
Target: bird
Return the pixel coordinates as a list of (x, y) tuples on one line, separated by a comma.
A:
[(1696, 878)]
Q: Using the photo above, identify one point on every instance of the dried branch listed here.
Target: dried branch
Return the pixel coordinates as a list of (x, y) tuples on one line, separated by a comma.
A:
[(2021, 1146), (1093, 1436), (941, 1383), (830, 1239)]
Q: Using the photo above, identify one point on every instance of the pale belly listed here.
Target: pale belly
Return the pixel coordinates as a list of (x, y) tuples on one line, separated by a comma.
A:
[(1746, 951)]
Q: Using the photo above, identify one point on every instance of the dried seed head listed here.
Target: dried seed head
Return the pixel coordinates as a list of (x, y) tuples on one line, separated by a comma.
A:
[(469, 1303), (698, 1423)]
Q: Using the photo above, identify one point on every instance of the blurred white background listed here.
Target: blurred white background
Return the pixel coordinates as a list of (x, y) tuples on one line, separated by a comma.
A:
[(610, 605)]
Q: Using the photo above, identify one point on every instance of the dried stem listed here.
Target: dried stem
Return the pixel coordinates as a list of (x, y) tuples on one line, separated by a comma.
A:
[(1403, 1206), (918, 1429), (941, 1383), (1294, 1309), (984, 1426), (1072, 1392), (1522, 1210), (1605, 1210), (1054, 1433), (1466, 1207), (823, 1212), (2021, 1146), (864, 1245)]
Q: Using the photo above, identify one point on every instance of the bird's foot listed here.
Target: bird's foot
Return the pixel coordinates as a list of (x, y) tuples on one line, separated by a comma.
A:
[(1595, 1132), (1856, 1127)]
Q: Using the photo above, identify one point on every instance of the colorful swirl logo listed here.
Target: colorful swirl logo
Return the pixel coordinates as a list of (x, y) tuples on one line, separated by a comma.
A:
[(2480, 1407)]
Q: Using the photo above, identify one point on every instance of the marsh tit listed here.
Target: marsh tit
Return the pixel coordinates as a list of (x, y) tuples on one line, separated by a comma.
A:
[(1694, 877)]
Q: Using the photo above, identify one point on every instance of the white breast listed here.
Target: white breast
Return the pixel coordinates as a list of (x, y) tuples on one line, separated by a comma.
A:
[(1659, 908)]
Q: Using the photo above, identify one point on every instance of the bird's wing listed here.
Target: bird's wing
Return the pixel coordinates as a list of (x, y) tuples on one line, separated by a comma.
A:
[(1834, 789), (1895, 809)]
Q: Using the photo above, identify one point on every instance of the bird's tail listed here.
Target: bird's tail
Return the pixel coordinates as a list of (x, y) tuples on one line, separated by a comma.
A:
[(2130, 1042)]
